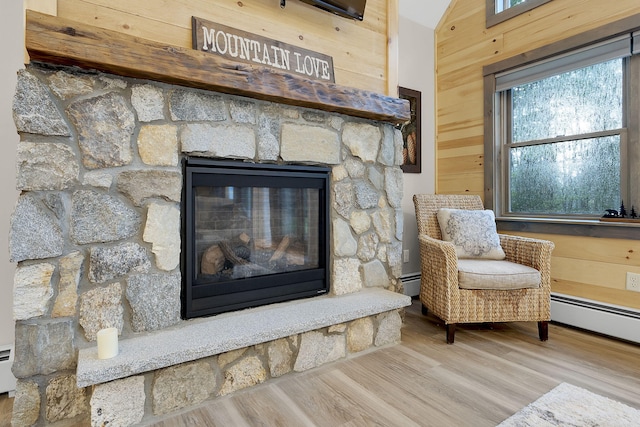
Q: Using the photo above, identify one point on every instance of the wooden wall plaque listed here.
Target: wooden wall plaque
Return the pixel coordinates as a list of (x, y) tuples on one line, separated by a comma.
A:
[(238, 45)]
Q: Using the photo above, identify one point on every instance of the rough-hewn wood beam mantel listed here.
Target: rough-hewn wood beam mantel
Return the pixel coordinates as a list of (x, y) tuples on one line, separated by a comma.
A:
[(60, 41)]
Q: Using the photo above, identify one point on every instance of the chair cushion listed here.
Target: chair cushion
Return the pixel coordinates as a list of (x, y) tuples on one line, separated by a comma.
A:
[(494, 274), (472, 232)]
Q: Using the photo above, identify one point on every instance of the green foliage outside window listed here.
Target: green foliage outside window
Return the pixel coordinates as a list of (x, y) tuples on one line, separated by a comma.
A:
[(565, 145)]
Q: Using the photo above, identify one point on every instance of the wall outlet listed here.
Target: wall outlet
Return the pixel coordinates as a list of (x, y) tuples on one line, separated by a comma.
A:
[(405, 256), (633, 281)]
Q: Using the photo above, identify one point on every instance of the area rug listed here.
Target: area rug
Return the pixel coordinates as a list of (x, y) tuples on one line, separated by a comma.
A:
[(568, 405)]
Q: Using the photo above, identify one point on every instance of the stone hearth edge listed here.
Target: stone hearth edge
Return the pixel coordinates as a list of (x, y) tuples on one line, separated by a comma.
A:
[(193, 340)]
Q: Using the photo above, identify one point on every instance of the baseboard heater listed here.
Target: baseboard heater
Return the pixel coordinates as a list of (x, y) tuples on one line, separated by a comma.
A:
[(607, 319), (411, 284), (7, 380)]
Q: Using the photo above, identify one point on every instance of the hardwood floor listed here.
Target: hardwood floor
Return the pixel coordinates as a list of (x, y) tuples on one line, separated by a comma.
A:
[(6, 405), (486, 376)]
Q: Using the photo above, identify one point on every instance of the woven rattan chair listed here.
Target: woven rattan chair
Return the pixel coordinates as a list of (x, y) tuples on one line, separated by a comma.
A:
[(439, 290)]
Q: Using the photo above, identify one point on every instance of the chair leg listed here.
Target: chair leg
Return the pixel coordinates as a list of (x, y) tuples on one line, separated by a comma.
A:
[(543, 330), (425, 311), (451, 332)]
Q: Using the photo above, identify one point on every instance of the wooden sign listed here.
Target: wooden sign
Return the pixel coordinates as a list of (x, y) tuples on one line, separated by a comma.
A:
[(243, 46)]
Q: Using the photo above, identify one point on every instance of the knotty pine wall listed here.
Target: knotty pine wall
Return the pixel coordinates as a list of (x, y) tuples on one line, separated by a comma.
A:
[(593, 268), (364, 53)]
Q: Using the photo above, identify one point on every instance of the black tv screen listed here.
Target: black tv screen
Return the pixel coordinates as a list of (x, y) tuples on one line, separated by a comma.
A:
[(347, 8)]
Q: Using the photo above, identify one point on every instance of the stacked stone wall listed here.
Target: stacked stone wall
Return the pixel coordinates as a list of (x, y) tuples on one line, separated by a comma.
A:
[(96, 229)]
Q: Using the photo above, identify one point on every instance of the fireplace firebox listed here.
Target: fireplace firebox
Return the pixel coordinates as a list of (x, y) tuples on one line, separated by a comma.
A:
[(253, 234)]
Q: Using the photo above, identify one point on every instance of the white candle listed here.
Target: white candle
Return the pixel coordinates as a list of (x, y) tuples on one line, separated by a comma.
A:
[(107, 343)]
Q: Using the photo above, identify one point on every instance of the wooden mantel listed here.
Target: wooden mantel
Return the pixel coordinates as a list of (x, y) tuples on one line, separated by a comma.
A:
[(60, 41)]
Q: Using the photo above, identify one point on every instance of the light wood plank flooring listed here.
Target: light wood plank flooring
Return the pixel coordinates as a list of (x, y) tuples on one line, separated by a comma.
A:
[(486, 376)]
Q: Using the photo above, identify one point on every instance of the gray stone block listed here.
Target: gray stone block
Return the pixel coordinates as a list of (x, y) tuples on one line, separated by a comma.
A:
[(35, 231), (118, 403), (317, 349), (105, 126), (106, 263), (344, 200), (242, 111), (383, 223), (393, 179), (162, 230), (309, 144), (26, 404), (98, 217), (32, 290), (34, 110), (368, 246), (45, 166), (148, 101), (388, 147), (183, 385), (196, 106), (363, 140), (101, 308), (366, 195), (139, 185), (42, 349), (389, 328), (360, 335), (280, 357), (268, 138), (154, 300), (64, 399), (246, 373), (343, 242), (346, 276), (67, 85), (70, 268), (375, 275)]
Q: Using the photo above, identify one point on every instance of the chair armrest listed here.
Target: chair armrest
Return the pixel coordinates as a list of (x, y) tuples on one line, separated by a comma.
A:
[(534, 253), (439, 267)]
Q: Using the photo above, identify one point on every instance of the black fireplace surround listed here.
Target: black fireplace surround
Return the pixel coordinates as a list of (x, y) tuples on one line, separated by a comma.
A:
[(253, 234)]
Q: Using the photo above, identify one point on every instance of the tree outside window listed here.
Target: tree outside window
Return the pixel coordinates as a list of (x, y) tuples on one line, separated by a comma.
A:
[(563, 142)]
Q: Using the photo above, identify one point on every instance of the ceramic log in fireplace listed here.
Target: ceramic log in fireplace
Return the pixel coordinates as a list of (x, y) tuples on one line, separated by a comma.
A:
[(253, 235)]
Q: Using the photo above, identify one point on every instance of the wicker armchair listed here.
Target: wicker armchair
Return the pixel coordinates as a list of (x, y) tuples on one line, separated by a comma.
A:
[(439, 290)]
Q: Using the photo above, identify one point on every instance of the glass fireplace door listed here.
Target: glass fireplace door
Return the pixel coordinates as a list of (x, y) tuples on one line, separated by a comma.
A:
[(254, 235)]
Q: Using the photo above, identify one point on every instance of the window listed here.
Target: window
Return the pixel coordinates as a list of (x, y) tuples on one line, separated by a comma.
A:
[(502, 5), (501, 10), (563, 138)]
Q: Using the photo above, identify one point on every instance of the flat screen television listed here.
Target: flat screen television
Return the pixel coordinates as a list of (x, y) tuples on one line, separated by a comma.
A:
[(346, 8)]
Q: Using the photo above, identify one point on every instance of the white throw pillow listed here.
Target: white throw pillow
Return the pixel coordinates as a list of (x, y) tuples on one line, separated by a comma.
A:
[(472, 232)]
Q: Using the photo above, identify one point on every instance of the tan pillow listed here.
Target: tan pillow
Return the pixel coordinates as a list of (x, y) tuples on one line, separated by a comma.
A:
[(472, 232)]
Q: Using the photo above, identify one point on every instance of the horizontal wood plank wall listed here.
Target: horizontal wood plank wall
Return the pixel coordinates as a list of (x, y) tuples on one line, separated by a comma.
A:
[(593, 268), (359, 49)]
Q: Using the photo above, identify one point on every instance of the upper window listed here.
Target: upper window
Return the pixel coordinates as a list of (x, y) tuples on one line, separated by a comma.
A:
[(501, 10), (502, 5), (563, 133)]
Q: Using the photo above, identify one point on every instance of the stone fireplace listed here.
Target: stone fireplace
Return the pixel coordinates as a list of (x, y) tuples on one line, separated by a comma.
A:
[(97, 233)]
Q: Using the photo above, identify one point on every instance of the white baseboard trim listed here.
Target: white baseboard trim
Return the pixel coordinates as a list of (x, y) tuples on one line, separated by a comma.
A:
[(411, 284), (608, 319), (7, 380)]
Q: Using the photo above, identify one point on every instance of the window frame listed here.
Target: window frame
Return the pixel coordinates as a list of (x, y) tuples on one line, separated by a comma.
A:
[(492, 123), (493, 18), (507, 144)]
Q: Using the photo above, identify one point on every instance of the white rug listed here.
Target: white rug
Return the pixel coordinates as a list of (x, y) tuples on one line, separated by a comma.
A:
[(568, 405)]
